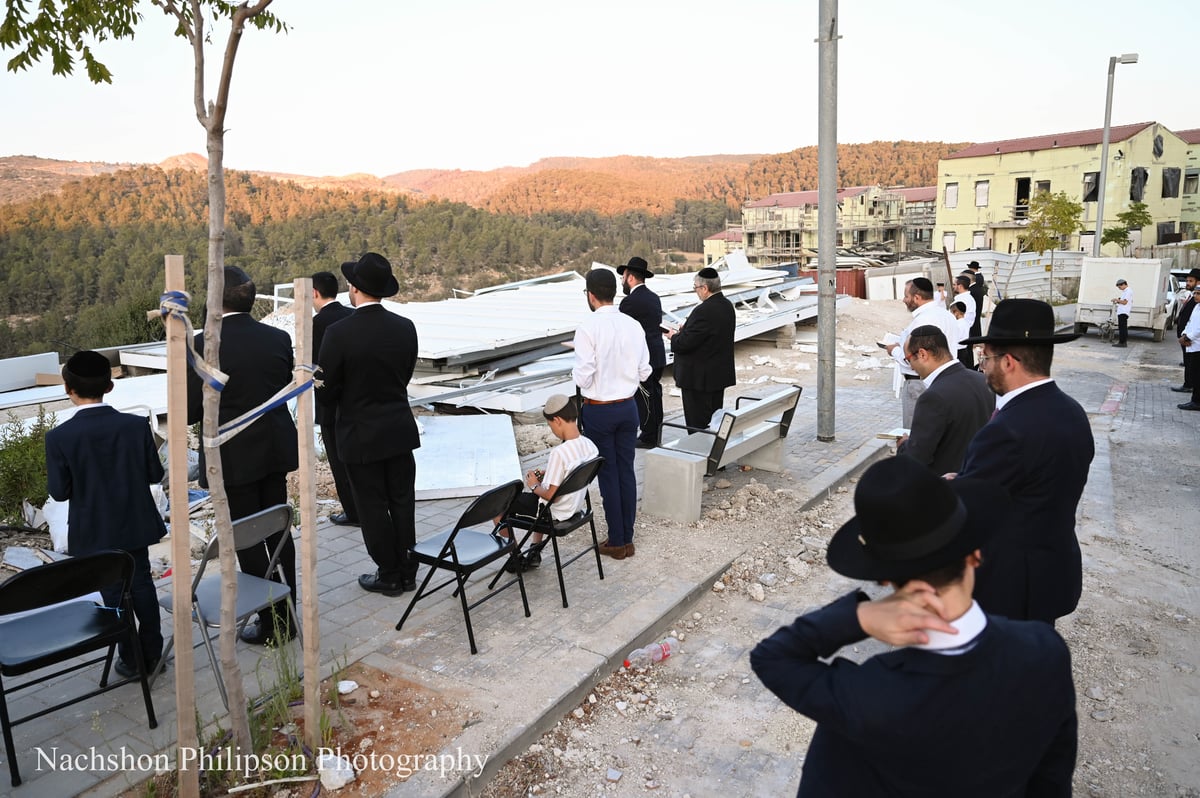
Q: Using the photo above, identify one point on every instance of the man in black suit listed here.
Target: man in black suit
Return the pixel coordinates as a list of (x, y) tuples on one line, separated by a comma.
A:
[(646, 309), (979, 291), (330, 311), (972, 704), (1038, 446), (703, 349), (104, 462), (1181, 320), (255, 462), (366, 363), (956, 402)]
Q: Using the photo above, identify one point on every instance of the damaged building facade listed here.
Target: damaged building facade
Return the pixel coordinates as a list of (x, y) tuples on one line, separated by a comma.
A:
[(983, 190)]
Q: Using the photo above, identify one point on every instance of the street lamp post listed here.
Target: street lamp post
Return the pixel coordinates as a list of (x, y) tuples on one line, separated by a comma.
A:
[(1127, 58)]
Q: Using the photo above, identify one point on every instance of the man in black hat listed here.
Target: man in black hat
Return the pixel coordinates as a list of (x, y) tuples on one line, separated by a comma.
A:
[(703, 349), (646, 309), (255, 462), (979, 292), (366, 363), (972, 704), (1039, 446), (104, 463), (1181, 321), (330, 311)]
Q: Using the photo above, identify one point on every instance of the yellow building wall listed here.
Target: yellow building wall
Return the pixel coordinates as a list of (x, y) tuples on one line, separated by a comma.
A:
[(1189, 215), (1064, 169)]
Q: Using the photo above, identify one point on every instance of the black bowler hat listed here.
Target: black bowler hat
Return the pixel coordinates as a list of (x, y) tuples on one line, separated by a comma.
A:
[(1021, 321), (371, 274), (637, 266), (909, 521)]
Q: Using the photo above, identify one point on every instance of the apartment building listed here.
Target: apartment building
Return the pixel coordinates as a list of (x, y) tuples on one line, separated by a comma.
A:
[(720, 244), (1189, 222), (983, 190)]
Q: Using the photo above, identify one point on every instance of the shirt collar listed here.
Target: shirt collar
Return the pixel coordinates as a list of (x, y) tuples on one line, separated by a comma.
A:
[(969, 626), (367, 304), (90, 406), (233, 313), (1001, 401), (934, 374)]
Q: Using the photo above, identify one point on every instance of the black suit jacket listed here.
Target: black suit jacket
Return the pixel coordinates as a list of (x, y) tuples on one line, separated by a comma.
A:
[(646, 309), (946, 417), (1039, 447), (978, 290), (258, 360), (367, 360), (997, 720), (332, 313), (1185, 315), (703, 347), (104, 462)]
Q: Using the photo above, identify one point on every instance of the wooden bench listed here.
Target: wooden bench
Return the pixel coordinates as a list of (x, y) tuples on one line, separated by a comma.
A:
[(751, 434)]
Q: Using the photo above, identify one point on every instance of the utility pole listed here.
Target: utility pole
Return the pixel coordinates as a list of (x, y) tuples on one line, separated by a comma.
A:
[(827, 180)]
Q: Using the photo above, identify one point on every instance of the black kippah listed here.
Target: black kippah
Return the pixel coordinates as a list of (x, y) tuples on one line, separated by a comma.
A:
[(89, 364)]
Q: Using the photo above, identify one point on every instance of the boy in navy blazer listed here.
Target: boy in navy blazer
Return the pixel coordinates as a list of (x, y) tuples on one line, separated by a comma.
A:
[(972, 704), (104, 462)]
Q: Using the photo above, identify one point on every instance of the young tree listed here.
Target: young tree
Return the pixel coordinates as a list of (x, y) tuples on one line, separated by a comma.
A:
[(64, 31), (1135, 218), (1052, 217)]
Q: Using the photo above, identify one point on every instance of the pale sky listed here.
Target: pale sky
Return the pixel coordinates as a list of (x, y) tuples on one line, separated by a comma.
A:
[(382, 86)]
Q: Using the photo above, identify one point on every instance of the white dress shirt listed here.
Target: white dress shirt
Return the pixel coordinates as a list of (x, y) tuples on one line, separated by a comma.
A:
[(969, 626), (611, 358), (968, 300), (1127, 295), (1004, 399), (929, 313)]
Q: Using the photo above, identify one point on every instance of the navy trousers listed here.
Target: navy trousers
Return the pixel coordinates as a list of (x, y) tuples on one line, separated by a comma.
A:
[(614, 430)]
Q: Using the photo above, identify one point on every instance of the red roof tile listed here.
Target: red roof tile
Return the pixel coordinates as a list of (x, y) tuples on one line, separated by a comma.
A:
[(922, 194), (734, 234), (796, 199), (1077, 138), (1190, 136)]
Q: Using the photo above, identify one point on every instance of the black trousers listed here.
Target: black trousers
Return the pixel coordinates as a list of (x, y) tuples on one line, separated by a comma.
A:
[(698, 406), (145, 609), (649, 406), (341, 477), (1122, 327), (248, 499), (386, 498), (1191, 373), (1187, 383)]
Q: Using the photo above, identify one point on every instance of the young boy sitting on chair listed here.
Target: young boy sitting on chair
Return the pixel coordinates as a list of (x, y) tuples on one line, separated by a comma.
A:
[(563, 416), (104, 462)]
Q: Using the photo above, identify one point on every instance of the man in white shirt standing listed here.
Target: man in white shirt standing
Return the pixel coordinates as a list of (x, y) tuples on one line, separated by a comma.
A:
[(962, 293), (1124, 304), (918, 298), (611, 361)]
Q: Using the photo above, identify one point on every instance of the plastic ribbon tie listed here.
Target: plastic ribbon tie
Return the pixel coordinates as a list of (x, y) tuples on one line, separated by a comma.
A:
[(174, 304), (285, 394)]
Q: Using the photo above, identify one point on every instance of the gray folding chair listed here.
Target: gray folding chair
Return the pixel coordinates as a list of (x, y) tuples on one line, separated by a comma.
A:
[(254, 593)]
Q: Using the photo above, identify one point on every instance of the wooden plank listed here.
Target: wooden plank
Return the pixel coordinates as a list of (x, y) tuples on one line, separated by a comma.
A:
[(181, 555), (309, 590)]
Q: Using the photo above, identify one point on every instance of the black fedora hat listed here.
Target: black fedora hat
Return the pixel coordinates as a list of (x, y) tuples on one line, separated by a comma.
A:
[(909, 521), (371, 274), (637, 266), (1022, 321)]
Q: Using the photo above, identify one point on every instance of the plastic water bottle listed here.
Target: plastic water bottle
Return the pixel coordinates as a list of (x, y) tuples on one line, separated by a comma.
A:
[(646, 656)]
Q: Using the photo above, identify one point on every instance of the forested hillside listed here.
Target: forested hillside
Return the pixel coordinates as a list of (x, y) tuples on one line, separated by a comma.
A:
[(80, 268)]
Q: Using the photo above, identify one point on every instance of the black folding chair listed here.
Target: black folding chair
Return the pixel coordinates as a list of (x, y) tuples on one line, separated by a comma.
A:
[(464, 551), (254, 593), (50, 635), (578, 479)]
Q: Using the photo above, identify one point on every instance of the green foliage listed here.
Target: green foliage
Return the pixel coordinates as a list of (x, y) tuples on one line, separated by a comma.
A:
[(1136, 217), (1051, 218), (23, 464), (1115, 235)]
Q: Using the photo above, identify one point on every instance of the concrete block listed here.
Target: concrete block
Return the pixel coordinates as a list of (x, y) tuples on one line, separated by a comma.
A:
[(673, 484), (766, 458)]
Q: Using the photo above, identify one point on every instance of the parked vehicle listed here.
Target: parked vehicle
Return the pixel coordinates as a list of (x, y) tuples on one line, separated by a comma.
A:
[(1155, 293)]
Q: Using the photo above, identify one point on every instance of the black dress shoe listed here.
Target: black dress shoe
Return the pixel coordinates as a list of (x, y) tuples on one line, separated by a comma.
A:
[(341, 519), (373, 584), (126, 670), (1189, 406), (1183, 389), (645, 444)]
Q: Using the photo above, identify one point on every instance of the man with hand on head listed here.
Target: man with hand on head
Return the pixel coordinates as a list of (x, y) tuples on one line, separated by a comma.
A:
[(971, 704)]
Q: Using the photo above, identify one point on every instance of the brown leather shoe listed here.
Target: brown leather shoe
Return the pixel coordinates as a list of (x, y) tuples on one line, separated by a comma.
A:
[(629, 550), (616, 552)]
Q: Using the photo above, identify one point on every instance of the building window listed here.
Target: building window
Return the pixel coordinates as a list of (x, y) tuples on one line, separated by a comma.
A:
[(1170, 182), (1043, 185), (978, 239), (1191, 181), (1166, 233), (1091, 186), (981, 193), (1137, 183), (952, 195), (948, 241)]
